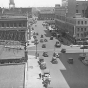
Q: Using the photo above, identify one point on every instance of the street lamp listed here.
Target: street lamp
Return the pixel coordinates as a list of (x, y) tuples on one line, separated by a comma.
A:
[(36, 42)]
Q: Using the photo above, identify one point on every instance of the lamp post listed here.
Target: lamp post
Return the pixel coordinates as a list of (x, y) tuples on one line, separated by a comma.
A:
[(36, 42)]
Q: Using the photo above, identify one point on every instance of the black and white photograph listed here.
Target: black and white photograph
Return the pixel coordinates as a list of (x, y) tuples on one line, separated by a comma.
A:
[(43, 43)]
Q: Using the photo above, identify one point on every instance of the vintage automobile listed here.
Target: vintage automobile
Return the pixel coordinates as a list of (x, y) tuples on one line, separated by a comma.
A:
[(41, 40), (63, 50), (70, 60), (45, 40), (51, 38), (41, 36), (45, 54), (54, 60), (85, 61), (43, 45), (58, 44), (46, 75), (40, 61), (43, 65), (82, 56), (37, 34)]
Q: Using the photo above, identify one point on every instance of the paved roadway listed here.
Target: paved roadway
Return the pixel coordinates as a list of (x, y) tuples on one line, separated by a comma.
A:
[(57, 78)]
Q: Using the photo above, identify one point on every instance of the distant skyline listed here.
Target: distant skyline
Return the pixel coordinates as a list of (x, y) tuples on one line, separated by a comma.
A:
[(32, 3)]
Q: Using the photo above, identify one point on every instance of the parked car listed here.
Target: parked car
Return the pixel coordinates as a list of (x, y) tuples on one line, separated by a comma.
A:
[(58, 44), (43, 45), (45, 54), (70, 60), (40, 61), (63, 50), (54, 60)]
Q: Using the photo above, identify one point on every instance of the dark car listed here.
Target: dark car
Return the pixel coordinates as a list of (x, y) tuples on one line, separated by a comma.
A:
[(43, 45), (41, 40), (45, 54), (41, 36), (51, 38), (40, 61), (63, 50), (70, 60), (58, 44), (54, 60)]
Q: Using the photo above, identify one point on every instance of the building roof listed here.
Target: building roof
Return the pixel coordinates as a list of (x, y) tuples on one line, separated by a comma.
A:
[(6, 17), (11, 76)]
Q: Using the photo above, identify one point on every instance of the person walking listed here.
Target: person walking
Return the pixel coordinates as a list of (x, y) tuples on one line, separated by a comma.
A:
[(40, 75)]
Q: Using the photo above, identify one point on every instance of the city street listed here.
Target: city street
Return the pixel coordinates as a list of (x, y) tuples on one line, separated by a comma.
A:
[(63, 75)]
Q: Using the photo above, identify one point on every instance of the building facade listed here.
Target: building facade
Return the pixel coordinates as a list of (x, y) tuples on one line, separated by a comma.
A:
[(46, 15), (13, 28), (70, 19)]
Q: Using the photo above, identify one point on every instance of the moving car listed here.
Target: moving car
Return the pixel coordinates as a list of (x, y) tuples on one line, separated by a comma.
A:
[(43, 65), (45, 54), (43, 45), (58, 44), (51, 38), (41, 36), (45, 40)]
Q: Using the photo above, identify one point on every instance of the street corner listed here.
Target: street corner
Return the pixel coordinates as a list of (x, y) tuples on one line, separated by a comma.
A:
[(31, 57)]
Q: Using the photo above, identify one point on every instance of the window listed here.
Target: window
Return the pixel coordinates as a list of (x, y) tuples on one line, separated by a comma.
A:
[(19, 24), (78, 22), (11, 24), (2, 24), (81, 29), (81, 35), (81, 22), (78, 35), (85, 22), (83, 11), (76, 11), (15, 25), (7, 24), (78, 29), (85, 29)]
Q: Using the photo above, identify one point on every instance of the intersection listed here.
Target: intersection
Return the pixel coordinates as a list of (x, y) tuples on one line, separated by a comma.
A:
[(58, 77)]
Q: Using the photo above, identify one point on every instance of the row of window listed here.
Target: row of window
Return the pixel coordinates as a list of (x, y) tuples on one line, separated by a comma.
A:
[(81, 22), (13, 25), (81, 29), (81, 35)]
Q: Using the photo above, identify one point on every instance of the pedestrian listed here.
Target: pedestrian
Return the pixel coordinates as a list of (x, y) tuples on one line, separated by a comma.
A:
[(40, 75)]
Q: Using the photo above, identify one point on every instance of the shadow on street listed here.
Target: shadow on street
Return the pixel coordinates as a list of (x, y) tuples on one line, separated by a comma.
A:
[(47, 33)]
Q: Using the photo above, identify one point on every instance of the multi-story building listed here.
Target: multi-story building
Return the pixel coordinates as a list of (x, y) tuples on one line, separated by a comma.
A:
[(46, 15), (13, 28), (70, 14)]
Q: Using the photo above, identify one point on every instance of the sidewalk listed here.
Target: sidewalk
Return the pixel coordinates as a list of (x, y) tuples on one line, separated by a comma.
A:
[(32, 75)]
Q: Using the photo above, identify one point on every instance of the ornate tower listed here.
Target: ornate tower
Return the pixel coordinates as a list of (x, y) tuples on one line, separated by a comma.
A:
[(11, 4)]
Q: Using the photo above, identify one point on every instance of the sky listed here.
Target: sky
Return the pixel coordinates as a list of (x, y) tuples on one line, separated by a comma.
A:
[(30, 3)]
